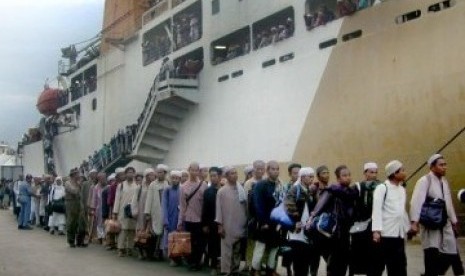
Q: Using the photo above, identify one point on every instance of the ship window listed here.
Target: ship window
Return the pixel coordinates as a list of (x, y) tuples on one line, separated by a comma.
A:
[(319, 12), (328, 43), (237, 73), (440, 6), (287, 57), (352, 35), (274, 28), (157, 7), (231, 46), (269, 63), (187, 25), (90, 80), (223, 78), (189, 65), (408, 16), (156, 43), (94, 104), (215, 7)]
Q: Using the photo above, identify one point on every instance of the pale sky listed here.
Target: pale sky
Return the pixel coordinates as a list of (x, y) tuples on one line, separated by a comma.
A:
[(32, 34)]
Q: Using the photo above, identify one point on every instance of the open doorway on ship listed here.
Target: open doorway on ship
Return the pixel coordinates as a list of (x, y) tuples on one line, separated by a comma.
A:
[(188, 66)]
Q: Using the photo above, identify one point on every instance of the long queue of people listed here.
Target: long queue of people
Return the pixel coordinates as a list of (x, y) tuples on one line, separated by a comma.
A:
[(359, 228)]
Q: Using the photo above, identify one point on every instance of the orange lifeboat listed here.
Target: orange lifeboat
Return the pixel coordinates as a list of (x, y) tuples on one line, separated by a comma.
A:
[(47, 104)]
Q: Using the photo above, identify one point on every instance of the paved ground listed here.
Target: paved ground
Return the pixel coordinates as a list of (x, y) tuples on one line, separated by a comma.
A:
[(36, 253)]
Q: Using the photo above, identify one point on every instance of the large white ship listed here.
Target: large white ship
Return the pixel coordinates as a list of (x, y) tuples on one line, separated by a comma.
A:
[(266, 79)]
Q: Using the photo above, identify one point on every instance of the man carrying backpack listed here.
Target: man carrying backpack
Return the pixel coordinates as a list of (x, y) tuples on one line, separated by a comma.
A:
[(363, 250), (390, 222)]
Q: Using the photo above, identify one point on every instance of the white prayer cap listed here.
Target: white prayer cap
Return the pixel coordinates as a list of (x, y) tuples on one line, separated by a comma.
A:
[(393, 167), (162, 167), (111, 177), (58, 178), (248, 169), (93, 170), (119, 170), (307, 171), (227, 169), (370, 166), (184, 172), (176, 173), (148, 170), (433, 158)]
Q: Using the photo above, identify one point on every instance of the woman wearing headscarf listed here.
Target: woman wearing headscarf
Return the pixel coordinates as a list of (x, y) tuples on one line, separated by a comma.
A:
[(57, 198)]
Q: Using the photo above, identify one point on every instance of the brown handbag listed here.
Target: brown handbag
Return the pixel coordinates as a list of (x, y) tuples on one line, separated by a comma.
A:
[(112, 226), (142, 237), (179, 244)]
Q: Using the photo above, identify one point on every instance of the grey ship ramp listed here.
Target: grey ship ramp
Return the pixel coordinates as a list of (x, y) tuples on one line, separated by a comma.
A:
[(169, 102)]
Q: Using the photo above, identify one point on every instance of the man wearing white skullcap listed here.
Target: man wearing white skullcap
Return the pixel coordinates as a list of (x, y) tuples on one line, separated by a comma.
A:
[(203, 175), (365, 253), (231, 216), (300, 200), (390, 222), (184, 176), (153, 210), (258, 173), (440, 241), (248, 173), (138, 203)]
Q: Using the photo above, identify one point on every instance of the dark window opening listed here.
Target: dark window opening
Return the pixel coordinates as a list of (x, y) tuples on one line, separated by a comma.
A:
[(274, 28), (94, 104), (237, 73), (231, 46), (156, 43), (189, 65), (287, 57), (328, 43), (440, 6), (223, 78), (84, 83), (269, 63), (321, 12), (187, 25), (352, 35), (215, 7), (408, 17)]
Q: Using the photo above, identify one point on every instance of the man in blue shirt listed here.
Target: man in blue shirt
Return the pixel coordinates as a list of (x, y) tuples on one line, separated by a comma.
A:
[(24, 198)]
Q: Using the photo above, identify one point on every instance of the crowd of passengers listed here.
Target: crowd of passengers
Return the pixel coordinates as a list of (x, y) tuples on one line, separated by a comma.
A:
[(186, 29), (323, 14)]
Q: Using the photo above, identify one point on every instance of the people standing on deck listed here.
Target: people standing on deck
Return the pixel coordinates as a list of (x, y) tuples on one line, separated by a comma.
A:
[(25, 193), (138, 202), (363, 251), (300, 201), (57, 196), (266, 194), (231, 216), (124, 194), (337, 202), (153, 210), (170, 207), (390, 223), (73, 205), (96, 205), (190, 215), (210, 227), (439, 243)]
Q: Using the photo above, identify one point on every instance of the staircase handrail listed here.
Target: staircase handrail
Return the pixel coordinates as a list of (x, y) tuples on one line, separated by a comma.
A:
[(450, 141)]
